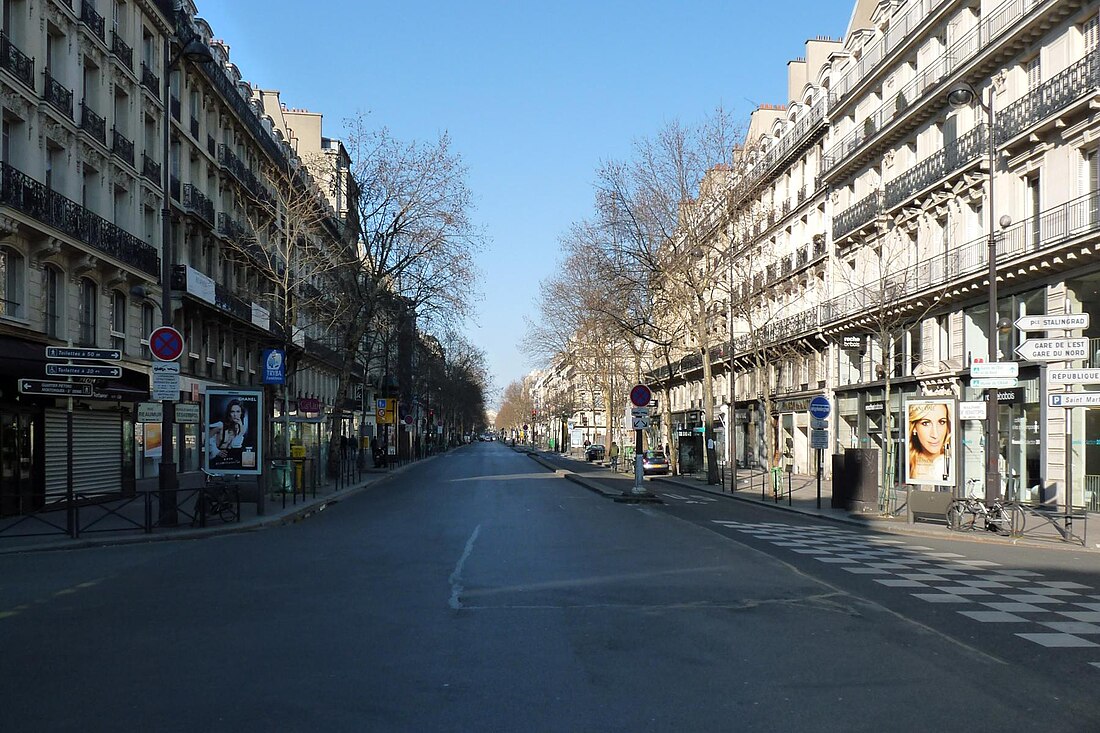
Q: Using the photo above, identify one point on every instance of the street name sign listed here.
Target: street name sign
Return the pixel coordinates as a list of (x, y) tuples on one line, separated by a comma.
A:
[(82, 370), (187, 413), (972, 410), (1073, 376), (64, 389), (994, 382), (1074, 399), (1066, 322), (994, 369), (1053, 349), (150, 412), (69, 352)]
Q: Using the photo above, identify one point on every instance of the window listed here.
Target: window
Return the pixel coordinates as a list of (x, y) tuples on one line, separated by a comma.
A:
[(1090, 33), (118, 321), (87, 314), (1034, 73), (1034, 208), (147, 326), (55, 303), (12, 288)]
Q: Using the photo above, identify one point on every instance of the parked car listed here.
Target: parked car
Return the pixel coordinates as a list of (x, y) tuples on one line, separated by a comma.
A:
[(594, 452), (654, 463)]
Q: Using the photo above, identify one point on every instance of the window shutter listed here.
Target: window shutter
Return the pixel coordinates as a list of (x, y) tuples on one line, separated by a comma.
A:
[(1091, 33)]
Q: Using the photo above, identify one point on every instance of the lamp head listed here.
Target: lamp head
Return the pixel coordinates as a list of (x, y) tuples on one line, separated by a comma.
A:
[(196, 52), (961, 96)]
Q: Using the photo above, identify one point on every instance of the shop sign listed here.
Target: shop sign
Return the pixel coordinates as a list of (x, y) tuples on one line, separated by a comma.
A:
[(274, 361), (875, 406), (741, 415), (796, 405), (851, 343), (309, 404), (1006, 395)]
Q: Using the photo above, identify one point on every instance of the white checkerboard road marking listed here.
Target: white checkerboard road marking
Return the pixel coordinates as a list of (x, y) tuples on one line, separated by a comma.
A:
[(1063, 614)]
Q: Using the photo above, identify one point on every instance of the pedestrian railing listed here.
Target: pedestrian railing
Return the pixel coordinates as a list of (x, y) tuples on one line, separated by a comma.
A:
[(96, 512)]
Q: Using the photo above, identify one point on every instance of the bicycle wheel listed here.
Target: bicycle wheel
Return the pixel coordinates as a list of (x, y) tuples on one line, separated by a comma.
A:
[(999, 520), (1017, 518), (955, 516)]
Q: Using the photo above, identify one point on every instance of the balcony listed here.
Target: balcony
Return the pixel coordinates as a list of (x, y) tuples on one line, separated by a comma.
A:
[(197, 203), (92, 123), (32, 198), (979, 38), (237, 168), (122, 146), (58, 96), (16, 62), (121, 51), (150, 169), (856, 216), (937, 166), (149, 80), (1078, 80), (791, 142), (1074, 220), (92, 19)]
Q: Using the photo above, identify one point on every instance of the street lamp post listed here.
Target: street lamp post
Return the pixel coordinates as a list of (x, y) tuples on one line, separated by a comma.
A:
[(963, 96), (732, 428), (168, 480)]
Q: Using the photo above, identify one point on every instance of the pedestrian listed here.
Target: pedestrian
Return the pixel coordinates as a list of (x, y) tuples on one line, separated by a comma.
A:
[(613, 454)]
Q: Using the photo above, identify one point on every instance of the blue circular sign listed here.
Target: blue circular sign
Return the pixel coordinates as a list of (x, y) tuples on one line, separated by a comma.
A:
[(640, 396), (820, 407)]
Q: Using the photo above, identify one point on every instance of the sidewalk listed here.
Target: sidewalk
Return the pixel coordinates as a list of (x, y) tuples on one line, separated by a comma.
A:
[(799, 494), (122, 523)]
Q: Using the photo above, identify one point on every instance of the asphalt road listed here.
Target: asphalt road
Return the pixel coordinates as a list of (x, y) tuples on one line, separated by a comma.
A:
[(480, 591)]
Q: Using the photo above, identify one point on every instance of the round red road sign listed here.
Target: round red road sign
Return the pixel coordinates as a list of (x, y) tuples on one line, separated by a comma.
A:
[(166, 343), (640, 396)]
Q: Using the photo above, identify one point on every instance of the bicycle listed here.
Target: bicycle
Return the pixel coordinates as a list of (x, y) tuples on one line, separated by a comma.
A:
[(999, 517), (215, 499)]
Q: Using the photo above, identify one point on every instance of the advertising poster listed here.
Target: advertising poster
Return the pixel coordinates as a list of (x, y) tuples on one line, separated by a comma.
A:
[(233, 431), (930, 427)]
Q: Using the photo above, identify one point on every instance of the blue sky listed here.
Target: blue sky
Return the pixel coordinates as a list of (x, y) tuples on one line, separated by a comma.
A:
[(533, 95)]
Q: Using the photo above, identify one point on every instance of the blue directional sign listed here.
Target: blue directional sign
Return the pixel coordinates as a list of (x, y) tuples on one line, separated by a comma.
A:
[(820, 407)]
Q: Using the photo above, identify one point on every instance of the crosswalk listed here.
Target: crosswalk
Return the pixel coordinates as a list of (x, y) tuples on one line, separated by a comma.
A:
[(1054, 614)]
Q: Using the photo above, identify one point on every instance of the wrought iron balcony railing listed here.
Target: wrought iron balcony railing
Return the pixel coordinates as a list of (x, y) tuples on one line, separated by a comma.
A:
[(122, 51), (15, 61), (95, 125), (150, 81), (92, 19), (936, 166), (195, 201), (1053, 95), (122, 146), (150, 168), (27, 195), (856, 216), (58, 96), (1079, 217)]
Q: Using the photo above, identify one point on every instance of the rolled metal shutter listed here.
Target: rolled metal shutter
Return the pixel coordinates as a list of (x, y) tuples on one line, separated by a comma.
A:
[(97, 451)]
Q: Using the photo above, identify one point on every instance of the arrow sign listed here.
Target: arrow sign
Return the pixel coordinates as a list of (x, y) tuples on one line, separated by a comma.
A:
[(995, 369), (994, 383), (1053, 349), (38, 386), (67, 352), (1073, 376), (82, 370), (1074, 399), (1065, 322)]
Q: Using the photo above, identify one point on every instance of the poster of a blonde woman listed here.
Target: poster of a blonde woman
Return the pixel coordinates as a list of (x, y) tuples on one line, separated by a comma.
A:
[(931, 426)]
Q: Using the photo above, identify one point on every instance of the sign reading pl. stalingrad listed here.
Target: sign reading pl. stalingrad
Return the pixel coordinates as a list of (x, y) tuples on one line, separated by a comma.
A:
[(1065, 322)]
